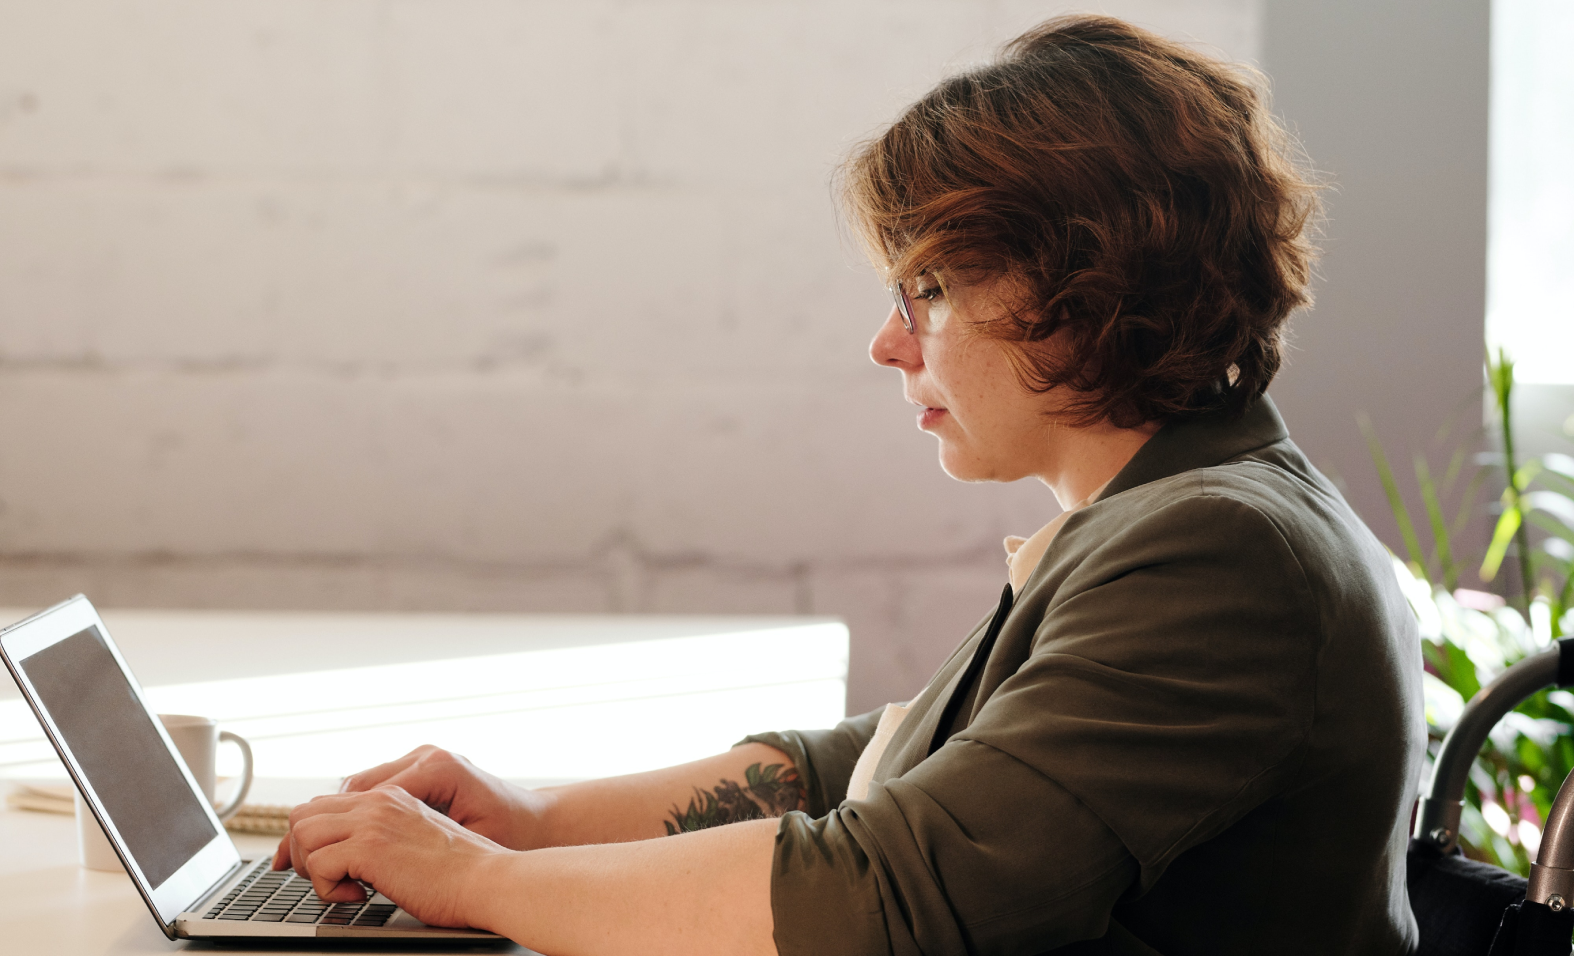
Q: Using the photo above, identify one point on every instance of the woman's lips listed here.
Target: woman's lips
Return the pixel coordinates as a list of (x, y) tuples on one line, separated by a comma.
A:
[(930, 417)]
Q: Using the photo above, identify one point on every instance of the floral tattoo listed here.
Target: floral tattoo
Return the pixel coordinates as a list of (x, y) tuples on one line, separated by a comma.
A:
[(767, 792)]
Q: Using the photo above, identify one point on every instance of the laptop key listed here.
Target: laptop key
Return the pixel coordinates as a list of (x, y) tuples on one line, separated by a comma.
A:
[(268, 918)]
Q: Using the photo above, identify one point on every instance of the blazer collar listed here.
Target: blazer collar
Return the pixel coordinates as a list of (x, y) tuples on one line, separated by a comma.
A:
[(1201, 442)]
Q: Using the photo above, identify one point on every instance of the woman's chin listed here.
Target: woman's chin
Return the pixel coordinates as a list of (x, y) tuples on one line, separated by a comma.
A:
[(964, 467)]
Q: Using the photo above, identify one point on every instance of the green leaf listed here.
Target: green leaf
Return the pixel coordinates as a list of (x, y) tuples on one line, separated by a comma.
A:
[(1560, 607), (1500, 376), (1396, 501), (1467, 504), (1526, 473), (1457, 670), (1557, 482), (1552, 525), (1502, 537), (1434, 513)]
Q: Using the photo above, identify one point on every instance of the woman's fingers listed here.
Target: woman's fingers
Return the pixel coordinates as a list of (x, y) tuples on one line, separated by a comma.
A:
[(297, 855), (307, 830), (434, 780), (344, 841), (430, 774), (330, 875), (316, 806), (367, 779), (281, 853), (324, 824)]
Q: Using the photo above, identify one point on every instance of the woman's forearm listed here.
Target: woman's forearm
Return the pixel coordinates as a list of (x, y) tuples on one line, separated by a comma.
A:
[(748, 781), (706, 893)]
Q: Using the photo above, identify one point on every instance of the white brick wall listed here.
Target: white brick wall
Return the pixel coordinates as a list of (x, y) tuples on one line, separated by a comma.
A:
[(478, 304)]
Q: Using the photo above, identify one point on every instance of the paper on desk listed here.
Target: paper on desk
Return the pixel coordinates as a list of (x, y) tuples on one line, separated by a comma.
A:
[(262, 819), (44, 799)]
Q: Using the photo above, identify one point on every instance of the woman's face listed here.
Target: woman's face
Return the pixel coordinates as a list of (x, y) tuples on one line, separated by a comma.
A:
[(990, 427)]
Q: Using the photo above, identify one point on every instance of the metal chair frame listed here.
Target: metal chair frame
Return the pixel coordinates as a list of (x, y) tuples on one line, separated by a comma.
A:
[(1539, 924)]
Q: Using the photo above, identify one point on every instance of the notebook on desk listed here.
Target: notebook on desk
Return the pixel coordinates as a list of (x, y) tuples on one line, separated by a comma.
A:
[(151, 808)]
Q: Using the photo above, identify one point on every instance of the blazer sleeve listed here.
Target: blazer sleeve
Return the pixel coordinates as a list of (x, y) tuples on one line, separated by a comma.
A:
[(824, 759), (1167, 689)]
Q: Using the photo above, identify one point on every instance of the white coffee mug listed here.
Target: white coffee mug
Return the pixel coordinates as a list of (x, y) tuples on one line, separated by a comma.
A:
[(197, 739)]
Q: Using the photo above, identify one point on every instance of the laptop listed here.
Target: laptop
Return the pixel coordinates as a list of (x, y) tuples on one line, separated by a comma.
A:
[(152, 810)]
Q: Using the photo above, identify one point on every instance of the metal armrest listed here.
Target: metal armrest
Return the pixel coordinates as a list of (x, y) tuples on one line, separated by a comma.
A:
[(1437, 817), (1552, 875)]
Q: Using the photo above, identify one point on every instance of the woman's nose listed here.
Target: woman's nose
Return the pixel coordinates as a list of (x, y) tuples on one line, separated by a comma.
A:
[(893, 345)]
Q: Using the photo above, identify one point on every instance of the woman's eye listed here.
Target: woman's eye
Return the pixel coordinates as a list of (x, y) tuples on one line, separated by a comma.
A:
[(929, 294)]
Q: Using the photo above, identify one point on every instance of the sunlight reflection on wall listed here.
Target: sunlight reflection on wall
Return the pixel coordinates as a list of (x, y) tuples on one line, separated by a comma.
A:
[(533, 715)]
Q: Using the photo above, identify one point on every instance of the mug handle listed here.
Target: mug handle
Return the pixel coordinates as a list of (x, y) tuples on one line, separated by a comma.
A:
[(231, 808)]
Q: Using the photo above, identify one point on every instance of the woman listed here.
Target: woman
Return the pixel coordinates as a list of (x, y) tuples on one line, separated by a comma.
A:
[(1192, 723)]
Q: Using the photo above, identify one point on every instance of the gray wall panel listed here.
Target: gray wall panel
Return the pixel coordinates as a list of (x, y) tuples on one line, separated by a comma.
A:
[(1390, 100)]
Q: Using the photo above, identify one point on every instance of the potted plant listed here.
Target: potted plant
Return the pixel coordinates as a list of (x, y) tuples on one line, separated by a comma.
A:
[(1469, 636)]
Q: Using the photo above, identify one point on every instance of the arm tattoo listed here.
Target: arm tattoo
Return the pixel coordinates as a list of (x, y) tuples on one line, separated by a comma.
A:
[(769, 792)]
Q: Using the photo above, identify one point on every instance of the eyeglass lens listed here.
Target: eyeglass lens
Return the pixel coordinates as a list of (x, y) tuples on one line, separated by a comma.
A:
[(904, 306)]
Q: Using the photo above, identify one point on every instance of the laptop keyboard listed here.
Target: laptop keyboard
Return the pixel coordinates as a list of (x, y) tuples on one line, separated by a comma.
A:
[(279, 896)]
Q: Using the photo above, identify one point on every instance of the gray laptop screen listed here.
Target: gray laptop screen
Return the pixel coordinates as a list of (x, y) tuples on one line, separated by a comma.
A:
[(120, 752)]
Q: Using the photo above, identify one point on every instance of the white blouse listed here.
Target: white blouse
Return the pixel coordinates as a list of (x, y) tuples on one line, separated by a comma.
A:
[(1022, 556)]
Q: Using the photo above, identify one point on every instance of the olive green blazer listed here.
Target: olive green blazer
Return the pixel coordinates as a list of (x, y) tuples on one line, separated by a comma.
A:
[(1198, 731)]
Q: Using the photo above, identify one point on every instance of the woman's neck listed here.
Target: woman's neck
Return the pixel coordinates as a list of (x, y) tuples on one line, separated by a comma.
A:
[(1087, 458)]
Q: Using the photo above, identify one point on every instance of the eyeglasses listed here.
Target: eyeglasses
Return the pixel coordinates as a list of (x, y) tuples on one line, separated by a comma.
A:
[(904, 306)]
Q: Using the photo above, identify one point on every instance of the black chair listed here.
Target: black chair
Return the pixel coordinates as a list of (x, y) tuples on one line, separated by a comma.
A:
[(1466, 908)]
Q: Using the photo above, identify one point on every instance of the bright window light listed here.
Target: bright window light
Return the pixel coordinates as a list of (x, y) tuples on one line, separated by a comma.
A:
[(549, 715), (1530, 258)]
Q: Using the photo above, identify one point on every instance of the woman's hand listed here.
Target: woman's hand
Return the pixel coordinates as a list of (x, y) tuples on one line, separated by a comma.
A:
[(420, 859), (448, 783), (604, 887)]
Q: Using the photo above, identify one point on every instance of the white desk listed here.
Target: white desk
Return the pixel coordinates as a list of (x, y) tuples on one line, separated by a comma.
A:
[(533, 697)]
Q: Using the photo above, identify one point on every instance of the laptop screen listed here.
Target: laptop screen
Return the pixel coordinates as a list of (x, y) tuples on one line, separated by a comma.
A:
[(120, 752)]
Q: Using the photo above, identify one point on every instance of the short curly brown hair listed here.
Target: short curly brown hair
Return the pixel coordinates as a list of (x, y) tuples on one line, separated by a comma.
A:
[(1143, 201)]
